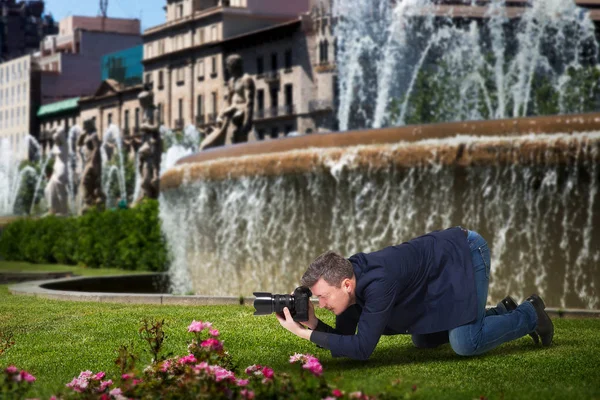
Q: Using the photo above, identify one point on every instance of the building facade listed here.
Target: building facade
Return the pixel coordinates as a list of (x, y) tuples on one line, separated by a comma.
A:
[(22, 26), (71, 62), (19, 100), (184, 57), (124, 66), (113, 104)]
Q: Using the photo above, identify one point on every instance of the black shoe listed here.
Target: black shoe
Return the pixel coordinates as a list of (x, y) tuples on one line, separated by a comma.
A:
[(545, 327), (510, 304)]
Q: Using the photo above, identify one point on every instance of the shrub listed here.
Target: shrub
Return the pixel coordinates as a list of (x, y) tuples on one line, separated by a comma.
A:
[(127, 239)]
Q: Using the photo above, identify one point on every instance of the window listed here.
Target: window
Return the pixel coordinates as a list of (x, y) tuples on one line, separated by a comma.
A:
[(274, 97), (213, 61), (214, 103), (149, 50), (180, 11), (160, 113), (200, 36), (180, 109), (126, 118), (260, 65), (201, 69), (199, 107), (109, 118), (260, 100), (148, 78), (180, 75), (324, 51), (274, 132), (137, 118), (161, 80), (289, 95), (213, 33), (288, 59), (161, 47), (274, 65)]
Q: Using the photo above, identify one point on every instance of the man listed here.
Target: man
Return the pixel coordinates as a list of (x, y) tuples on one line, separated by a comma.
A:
[(433, 287)]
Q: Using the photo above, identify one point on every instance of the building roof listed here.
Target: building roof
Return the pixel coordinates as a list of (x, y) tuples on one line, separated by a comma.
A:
[(58, 107)]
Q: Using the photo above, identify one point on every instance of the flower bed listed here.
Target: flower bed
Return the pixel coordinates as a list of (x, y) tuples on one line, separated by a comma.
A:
[(206, 372)]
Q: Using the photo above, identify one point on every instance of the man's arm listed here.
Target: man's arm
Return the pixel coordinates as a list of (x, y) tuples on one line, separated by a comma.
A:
[(379, 302)]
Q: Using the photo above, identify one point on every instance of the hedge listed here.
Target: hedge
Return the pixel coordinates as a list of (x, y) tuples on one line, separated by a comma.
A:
[(128, 239)]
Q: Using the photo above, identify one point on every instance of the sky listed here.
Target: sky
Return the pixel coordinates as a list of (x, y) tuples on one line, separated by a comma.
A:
[(150, 12)]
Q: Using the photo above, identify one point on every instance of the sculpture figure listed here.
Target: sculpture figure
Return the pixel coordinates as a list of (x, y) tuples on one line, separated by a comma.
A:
[(56, 192), (240, 99), (91, 179), (217, 136), (151, 149)]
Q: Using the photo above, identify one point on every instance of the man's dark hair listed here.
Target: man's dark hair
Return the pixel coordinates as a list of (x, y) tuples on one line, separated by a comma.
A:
[(330, 266)]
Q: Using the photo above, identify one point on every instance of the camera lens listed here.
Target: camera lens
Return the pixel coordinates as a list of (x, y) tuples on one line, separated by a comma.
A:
[(267, 303), (263, 303)]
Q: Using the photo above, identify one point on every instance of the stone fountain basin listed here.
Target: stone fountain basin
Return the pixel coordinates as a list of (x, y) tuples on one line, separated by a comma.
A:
[(130, 289)]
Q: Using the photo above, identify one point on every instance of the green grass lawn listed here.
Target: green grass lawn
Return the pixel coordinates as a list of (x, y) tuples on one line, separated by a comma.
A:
[(55, 340)]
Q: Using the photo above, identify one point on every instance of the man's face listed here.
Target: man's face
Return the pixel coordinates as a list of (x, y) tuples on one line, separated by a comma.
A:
[(333, 298)]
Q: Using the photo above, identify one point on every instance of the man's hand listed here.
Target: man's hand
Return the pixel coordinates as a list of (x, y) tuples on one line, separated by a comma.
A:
[(288, 323), (312, 319)]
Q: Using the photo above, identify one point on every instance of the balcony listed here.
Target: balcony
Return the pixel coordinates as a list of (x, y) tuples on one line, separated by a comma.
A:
[(179, 124), (275, 112), (200, 120), (212, 117), (272, 77), (320, 105)]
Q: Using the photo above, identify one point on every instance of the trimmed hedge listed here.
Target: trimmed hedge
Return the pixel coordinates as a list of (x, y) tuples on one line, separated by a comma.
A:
[(127, 239)]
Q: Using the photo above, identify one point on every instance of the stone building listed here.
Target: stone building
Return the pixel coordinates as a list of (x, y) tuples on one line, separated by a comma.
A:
[(184, 61), (22, 26), (71, 60), (19, 101), (113, 103)]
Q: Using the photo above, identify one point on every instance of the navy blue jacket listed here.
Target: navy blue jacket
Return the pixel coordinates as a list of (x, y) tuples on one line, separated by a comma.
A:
[(422, 286)]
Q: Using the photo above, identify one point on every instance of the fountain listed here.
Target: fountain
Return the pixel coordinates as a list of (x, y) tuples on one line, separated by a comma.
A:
[(252, 216)]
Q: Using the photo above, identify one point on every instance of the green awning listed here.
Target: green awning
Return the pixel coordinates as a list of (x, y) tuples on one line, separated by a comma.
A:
[(58, 107)]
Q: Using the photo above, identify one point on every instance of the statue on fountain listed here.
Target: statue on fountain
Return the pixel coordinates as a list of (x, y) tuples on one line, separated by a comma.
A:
[(150, 150), (56, 192), (91, 179), (240, 108)]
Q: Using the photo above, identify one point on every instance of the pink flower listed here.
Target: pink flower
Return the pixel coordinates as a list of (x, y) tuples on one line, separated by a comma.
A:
[(27, 377), (165, 366), (11, 370), (214, 332), (242, 382), (267, 372), (104, 385), (203, 366), (247, 394), (355, 395), (314, 366), (99, 376), (223, 374), (126, 376), (296, 357), (329, 398), (212, 344), (189, 359), (337, 393), (198, 326), (115, 392), (252, 369)]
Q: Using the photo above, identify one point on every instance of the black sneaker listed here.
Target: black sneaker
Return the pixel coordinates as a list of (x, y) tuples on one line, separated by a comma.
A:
[(510, 304), (545, 327)]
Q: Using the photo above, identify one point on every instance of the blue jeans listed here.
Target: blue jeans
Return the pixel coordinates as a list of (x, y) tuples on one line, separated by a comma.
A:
[(492, 327)]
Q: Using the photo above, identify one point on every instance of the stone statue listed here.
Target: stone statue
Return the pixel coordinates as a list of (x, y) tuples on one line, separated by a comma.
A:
[(91, 179), (240, 99), (151, 149), (56, 192), (217, 136)]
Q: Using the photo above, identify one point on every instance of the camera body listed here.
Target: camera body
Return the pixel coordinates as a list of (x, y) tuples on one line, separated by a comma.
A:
[(267, 303)]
